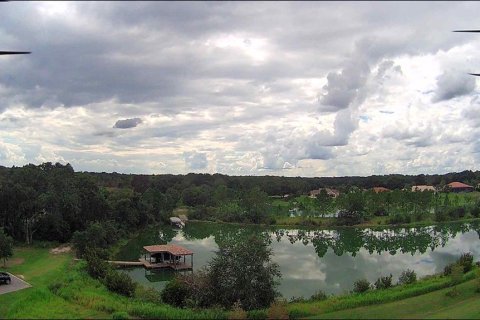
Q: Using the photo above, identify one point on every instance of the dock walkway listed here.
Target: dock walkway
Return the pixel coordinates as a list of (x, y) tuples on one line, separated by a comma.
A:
[(148, 265)]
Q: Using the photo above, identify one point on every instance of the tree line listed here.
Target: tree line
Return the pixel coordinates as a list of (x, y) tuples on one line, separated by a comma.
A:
[(52, 201)]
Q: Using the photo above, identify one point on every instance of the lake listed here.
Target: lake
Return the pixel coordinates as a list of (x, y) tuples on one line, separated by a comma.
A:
[(311, 259)]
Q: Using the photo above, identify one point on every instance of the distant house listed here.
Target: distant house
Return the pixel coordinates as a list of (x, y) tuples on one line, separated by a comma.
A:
[(380, 189), (332, 193), (422, 188), (460, 187), (314, 193)]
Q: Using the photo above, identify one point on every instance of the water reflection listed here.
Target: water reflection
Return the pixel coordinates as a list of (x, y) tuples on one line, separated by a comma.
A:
[(330, 260)]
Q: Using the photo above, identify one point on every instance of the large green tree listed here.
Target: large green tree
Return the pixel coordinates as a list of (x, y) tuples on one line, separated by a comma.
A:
[(6, 247), (242, 270)]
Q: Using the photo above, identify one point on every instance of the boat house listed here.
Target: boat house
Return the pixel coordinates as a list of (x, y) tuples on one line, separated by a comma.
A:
[(460, 187), (167, 256)]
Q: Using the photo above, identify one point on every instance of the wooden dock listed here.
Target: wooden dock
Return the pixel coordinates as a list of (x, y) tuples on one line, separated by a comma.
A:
[(148, 265), (175, 266)]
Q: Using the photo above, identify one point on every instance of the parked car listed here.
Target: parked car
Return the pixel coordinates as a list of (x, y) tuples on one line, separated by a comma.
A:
[(5, 278)]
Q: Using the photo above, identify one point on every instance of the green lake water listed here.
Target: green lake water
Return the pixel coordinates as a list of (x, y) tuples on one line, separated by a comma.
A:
[(328, 260)]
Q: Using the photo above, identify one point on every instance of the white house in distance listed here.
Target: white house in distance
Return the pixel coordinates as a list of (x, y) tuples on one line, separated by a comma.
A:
[(332, 193), (423, 188)]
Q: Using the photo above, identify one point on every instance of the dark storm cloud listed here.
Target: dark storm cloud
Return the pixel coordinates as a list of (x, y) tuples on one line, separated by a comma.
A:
[(106, 51), (127, 123), (453, 83)]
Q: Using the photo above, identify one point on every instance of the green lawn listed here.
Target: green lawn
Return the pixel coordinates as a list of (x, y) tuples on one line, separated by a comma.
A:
[(434, 305), (39, 268)]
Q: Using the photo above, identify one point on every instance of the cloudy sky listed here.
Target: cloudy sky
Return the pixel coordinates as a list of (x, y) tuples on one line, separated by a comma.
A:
[(255, 88)]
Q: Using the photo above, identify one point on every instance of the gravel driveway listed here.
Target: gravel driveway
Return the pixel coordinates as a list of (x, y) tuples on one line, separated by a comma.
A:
[(15, 285)]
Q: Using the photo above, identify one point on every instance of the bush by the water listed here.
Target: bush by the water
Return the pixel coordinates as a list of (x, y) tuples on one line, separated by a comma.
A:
[(407, 277), (383, 282), (475, 211), (97, 268), (120, 283), (176, 293), (319, 296), (361, 285), (465, 261), (241, 270), (349, 218), (449, 213)]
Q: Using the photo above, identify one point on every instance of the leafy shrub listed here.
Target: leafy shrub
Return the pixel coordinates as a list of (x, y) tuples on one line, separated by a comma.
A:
[(407, 277), (318, 296), (448, 269), (120, 283), (277, 310), (466, 261), (175, 293), (361, 285), (349, 218), (97, 268), (475, 211), (297, 299), (441, 215), (120, 315), (457, 213), (383, 282), (456, 275)]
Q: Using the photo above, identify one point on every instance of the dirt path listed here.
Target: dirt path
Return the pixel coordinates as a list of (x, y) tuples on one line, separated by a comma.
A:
[(61, 249)]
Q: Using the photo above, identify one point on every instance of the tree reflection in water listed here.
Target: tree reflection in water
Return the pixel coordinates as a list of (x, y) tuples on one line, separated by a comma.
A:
[(351, 240)]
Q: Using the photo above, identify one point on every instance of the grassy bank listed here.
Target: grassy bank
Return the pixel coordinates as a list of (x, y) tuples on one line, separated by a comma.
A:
[(62, 289), (40, 268), (374, 297), (434, 305)]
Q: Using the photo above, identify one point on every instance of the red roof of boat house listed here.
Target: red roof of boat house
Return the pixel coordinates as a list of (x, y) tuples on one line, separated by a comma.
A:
[(171, 248), (459, 186)]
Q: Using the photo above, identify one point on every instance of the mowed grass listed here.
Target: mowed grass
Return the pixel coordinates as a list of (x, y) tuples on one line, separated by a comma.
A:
[(433, 305), (39, 268)]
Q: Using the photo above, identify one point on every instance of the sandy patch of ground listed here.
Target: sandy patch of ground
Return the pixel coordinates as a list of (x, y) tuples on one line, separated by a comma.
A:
[(13, 262), (61, 249)]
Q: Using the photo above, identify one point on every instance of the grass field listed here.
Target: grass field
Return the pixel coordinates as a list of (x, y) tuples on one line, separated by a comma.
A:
[(39, 268)]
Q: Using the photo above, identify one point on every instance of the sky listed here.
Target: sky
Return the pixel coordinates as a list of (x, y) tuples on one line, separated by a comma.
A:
[(241, 88)]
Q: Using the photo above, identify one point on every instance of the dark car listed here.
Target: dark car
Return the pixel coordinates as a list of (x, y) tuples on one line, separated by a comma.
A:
[(5, 278)]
